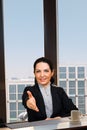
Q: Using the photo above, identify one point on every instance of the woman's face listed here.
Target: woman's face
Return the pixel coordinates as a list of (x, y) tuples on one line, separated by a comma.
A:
[(43, 73)]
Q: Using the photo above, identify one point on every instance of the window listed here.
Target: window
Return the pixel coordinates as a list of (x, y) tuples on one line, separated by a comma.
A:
[(72, 18), (24, 42), (62, 72), (63, 84), (81, 72), (72, 72), (81, 88), (21, 88), (72, 87)]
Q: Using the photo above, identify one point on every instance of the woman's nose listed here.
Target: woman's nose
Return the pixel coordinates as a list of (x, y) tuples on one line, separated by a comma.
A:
[(42, 73)]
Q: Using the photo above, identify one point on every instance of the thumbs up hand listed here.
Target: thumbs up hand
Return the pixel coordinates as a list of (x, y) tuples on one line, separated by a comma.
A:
[(31, 102)]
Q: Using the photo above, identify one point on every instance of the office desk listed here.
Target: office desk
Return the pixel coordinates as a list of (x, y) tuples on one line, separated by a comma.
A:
[(62, 124)]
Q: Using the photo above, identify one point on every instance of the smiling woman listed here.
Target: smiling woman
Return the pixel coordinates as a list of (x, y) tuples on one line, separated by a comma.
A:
[(23, 32), (44, 100)]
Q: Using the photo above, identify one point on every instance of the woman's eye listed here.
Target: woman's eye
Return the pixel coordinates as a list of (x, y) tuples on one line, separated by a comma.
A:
[(37, 71), (46, 70)]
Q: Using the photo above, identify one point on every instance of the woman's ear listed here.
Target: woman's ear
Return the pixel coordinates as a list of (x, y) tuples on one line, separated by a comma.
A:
[(52, 72)]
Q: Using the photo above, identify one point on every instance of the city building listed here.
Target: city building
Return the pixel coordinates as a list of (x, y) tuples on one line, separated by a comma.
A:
[(14, 91), (73, 80)]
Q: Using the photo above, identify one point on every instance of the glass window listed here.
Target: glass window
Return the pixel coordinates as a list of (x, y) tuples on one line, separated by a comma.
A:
[(72, 84), (23, 37), (72, 75), (19, 96), (72, 72), (81, 99), (13, 106), (63, 85), (12, 96), (72, 18), (80, 69), (81, 92), (72, 69), (12, 114), (72, 87), (62, 69), (73, 99), (20, 106), (81, 84), (62, 76), (72, 91), (12, 88), (62, 72), (20, 88), (81, 72), (23, 32), (80, 75)]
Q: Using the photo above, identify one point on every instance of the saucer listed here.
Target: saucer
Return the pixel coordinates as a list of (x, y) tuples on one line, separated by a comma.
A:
[(74, 120)]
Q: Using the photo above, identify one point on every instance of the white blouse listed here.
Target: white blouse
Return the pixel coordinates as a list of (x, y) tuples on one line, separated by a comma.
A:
[(46, 93)]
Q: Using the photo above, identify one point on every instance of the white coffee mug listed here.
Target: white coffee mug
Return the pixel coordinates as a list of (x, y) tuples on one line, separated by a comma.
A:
[(75, 115)]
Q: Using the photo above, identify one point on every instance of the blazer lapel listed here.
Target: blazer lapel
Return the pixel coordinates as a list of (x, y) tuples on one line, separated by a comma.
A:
[(53, 92)]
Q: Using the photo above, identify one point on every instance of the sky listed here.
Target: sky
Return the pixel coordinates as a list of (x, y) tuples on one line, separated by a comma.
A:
[(24, 34), (73, 31)]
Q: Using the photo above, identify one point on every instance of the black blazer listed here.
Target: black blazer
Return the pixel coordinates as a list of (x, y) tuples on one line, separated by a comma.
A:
[(62, 104)]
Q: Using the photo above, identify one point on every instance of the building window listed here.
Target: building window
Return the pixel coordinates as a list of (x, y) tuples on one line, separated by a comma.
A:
[(63, 85), (13, 106), (81, 72), (21, 88), (62, 72), (72, 88), (12, 88), (12, 92), (81, 104), (72, 72), (73, 99), (81, 87), (12, 96)]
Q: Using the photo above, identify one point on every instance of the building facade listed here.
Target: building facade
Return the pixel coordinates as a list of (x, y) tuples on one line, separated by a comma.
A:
[(14, 93), (73, 80)]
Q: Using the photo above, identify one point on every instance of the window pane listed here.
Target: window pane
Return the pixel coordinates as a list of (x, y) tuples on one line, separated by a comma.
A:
[(13, 106), (63, 85), (12, 88), (72, 19), (81, 72), (20, 106), (24, 43), (19, 96), (21, 88), (72, 69), (12, 96)]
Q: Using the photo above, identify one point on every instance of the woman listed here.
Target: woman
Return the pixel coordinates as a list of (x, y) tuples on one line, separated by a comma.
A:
[(44, 100)]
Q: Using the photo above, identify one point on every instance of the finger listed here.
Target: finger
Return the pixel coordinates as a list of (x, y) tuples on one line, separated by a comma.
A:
[(29, 94), (33, 107), (36, 109)]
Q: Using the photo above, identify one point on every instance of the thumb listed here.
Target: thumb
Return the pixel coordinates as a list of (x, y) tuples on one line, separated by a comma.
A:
[(29, 94)]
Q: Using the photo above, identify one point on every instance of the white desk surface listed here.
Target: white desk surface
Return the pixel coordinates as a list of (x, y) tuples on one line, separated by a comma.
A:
[(63, 123)]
